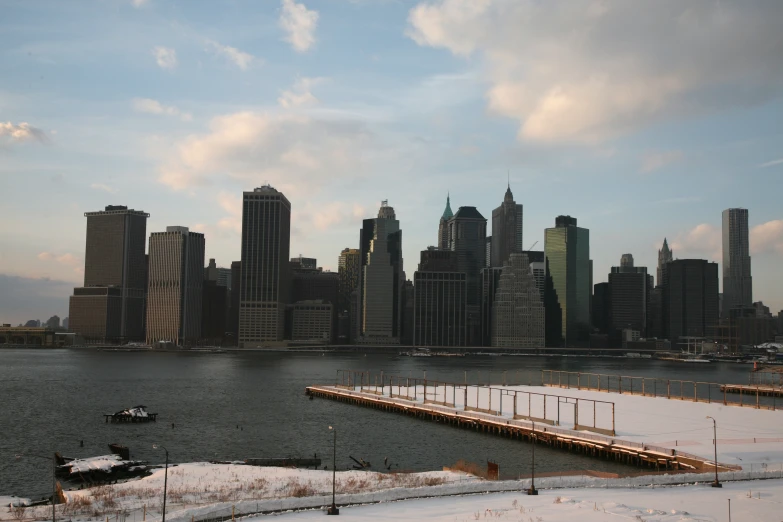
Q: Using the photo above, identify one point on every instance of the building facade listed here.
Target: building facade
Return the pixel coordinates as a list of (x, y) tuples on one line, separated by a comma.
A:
[(690, 299), (506, 230), (737, 280), (490, 279), (440, 300), (312, 321), (264, 286), (115, 267), (567, 250), (467, 238), (317, 285), (175, 291), (518, 318), (349, 269), (665, 255), (221, 276), (380, 299), (443, 226), (629, 295)]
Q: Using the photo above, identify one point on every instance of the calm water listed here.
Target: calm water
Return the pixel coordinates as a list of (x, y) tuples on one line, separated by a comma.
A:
[(51, 400)]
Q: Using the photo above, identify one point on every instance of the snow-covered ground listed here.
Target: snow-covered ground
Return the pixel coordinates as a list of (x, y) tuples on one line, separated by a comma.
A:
[(750, 501), (746, 436)]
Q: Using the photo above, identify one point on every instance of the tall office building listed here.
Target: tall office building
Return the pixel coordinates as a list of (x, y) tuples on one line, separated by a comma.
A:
[(110, 305), (737, 280), (537, 268), (380, 300), (664, 256), (506, 230), (440, 300), (490, 279), (306, 263), (629, 294), (567, 250), (264, 285), (232, 328), (467, 237), (316, 285), (349, 269), (690, 299), (221, 276), (176, 278), (488, 253), (518, 319), (601, 303), (443, 226)]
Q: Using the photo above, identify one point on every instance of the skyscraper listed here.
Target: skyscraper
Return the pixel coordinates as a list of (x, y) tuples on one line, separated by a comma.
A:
[(467, 237), (264, 285), (440, 298), (349, 269), (176, 278), (110, 305), (518, 318), (490, 279), (381, 278), (628, 296), (737, 280), (690, 296), (506, 230), (664, 256), (443, 226), (221, 276), (567, 250)]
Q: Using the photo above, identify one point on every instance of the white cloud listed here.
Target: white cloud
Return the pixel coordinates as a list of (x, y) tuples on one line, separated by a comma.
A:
[(22, 131), (138, 3), (66, 259), (299, 94), (105, 188), (767, 237), (299, 23), (165, 57), (702, 241), (771, 163), (653, 161), (295, 153), (241, 59), (588, 71), (150, 106)]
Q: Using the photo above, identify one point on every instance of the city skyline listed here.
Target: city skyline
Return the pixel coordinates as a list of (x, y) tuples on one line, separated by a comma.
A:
[(175, 117)]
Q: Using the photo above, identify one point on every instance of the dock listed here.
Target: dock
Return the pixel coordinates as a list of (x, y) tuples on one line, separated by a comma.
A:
[(313, 462), (135, 414), (753, 390), (413, 399)]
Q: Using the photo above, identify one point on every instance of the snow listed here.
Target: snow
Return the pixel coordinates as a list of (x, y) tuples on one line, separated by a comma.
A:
[(747, 437), (5, 501), (102, 463)]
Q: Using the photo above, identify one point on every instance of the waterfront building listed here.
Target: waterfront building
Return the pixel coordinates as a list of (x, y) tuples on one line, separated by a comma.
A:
[(629, 294), (690, 299), (567, 250), (316, 285), (408, 312), (312, 321), (506, 230), (467, 238), (264, 286), (221, 276), (110, 306), (490, 279), (518, 318), (655, 313), (214, 312), (176, 279), (601, 310), (737, 280), (349, 268), (665, 255), (443, 226), (380, 303), (232, 329), (440, 300)]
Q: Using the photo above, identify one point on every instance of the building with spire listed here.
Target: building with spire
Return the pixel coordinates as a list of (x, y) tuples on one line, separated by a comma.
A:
[(506, 230), (443, 227), (664, 256)]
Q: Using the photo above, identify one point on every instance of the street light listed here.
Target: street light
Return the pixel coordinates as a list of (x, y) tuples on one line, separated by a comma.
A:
[(532, 490), (333, 508), (715, 484), (165, 477), (54, 480)]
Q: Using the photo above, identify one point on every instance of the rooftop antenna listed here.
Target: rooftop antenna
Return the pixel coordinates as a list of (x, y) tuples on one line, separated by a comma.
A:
[(508, 176)]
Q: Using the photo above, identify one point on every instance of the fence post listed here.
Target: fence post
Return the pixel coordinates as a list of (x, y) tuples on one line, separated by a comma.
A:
[(668, 389), (232, 513), (144, 517), (465, 405), (620, 383)]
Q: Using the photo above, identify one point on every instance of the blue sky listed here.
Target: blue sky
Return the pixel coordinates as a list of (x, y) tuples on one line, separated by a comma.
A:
[(642, 120)]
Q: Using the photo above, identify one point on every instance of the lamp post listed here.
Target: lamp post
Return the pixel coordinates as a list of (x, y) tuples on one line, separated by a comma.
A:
[(532, 490), (333, 508), (165, 477), (54, 480), (715, 484)]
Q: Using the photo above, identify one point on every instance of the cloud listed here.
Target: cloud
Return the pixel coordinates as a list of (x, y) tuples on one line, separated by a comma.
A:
[(105, 188), (150, 106), (66, 259), (138, 3), (299, 23), (767, 237), (295, 153), (589, 71), (241, 59), (166, 57), (771, 163), (299, 94), (702, 241), (653, 161), (334, 214), (22, 131)]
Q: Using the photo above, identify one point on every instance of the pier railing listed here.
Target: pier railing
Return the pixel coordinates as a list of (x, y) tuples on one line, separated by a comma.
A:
[(587, 414), (753, 396)]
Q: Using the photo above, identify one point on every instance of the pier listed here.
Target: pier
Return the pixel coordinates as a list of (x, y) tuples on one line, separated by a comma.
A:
[(482, 409)]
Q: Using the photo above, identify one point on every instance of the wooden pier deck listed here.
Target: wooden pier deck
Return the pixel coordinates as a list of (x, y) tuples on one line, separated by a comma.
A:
[(594, 445), (753, 390)]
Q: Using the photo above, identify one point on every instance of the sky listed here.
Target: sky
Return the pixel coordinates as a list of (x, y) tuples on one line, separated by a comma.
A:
[(643, 120)]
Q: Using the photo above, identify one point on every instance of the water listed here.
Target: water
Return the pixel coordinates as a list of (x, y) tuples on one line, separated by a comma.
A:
[(239, 405)]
